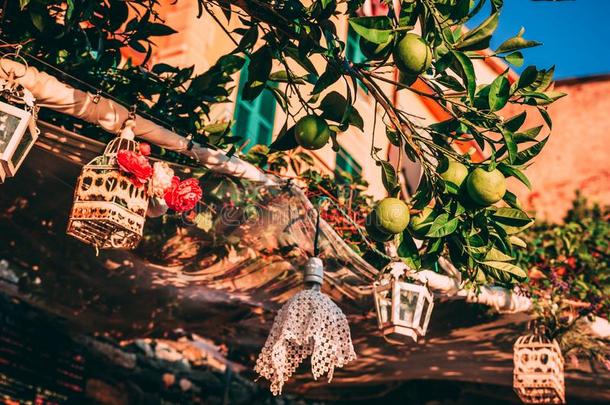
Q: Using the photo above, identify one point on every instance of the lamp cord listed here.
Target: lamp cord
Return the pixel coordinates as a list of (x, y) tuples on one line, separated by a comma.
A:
[(316, 239)]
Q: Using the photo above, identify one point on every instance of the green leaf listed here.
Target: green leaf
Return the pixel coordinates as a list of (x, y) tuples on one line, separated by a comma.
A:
[(515, 59), (510, 171), (478, 38), (159, 30), (552, 96), (374, 29), (514, 123), (498, 256), (259, 69), (389, 177), (511, 216), (335, 106), (547, 118), (442, 226), (22, 4), (516, 43), (466, 72), (510, 144), (530, 153), (330, 76), (499, 92), (517, 241), (517, 272), (305, 63), (285, 141), (407, 250), (248, 40), (393, 136), (527, 77)]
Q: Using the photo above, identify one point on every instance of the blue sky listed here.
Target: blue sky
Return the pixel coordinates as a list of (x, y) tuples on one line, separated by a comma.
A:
[(575, 34)]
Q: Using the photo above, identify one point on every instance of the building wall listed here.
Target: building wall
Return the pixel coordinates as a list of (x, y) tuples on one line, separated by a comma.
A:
[(576, 157)]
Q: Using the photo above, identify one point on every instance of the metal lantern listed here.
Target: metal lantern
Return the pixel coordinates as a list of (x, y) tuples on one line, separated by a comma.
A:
[(403, 309), (538, 370), (18, 131), (109, 210)]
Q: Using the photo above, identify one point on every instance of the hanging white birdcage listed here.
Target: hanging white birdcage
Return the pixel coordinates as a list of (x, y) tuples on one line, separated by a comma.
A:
[(109, 210), (18, 131), (403, 308), (538, 370)]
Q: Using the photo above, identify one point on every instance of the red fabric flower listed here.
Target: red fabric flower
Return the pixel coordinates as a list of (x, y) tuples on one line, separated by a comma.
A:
[(183, 195), (136, 165)]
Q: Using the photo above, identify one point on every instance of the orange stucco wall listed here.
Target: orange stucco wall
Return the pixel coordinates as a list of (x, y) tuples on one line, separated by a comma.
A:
[(577, 154)]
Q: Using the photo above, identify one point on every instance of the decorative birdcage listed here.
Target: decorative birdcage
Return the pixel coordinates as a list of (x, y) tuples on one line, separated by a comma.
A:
[(109, 210), (403, 308), (18, 131), (538, 369)]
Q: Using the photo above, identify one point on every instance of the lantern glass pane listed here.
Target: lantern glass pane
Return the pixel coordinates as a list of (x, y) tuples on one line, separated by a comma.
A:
[(384, 300), (22, 148), (407, 305), (424, 312), (8, 126)]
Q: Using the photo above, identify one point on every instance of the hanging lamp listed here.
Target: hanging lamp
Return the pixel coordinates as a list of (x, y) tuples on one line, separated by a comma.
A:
[(538, 369), (18, 114), (310, 324), (109, 210), (403, 308)]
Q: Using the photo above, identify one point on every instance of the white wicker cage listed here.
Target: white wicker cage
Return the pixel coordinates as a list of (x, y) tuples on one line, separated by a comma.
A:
[(109, 211), (538, 370)]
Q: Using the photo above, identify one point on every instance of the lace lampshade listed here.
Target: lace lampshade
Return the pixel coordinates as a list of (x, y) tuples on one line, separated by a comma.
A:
[(309, 324)]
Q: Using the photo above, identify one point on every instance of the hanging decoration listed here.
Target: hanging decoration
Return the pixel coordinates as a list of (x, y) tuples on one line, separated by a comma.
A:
[(309, 324), (18, 114), (538, 369), (112, 194), (403, 308)]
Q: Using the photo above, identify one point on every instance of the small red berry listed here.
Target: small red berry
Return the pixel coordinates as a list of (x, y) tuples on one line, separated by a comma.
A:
[(144, 148)]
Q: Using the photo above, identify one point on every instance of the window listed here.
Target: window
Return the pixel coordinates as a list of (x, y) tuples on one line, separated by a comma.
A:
[(346, 165), (353, 52), (352, 47), (254, 119)]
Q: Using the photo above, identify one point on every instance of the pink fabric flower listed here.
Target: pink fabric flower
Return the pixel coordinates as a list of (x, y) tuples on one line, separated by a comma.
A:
[(183, 195), (136, 165), (161, 179)]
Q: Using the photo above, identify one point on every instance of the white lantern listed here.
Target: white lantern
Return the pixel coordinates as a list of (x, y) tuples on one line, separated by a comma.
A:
[(18, 131), (403, 309), (538, 370)]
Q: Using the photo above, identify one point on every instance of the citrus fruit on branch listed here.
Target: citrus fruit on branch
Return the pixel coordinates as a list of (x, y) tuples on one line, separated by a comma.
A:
[(392, 215), (412, 55), (486, 187), (312, 132), (420, 223), (454, 173)]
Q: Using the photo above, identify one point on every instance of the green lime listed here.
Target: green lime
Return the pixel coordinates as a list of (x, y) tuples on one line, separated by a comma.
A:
[(412, 55), (486, 188), (311, 132), (420, 223), (453, 172), (392, 215)]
